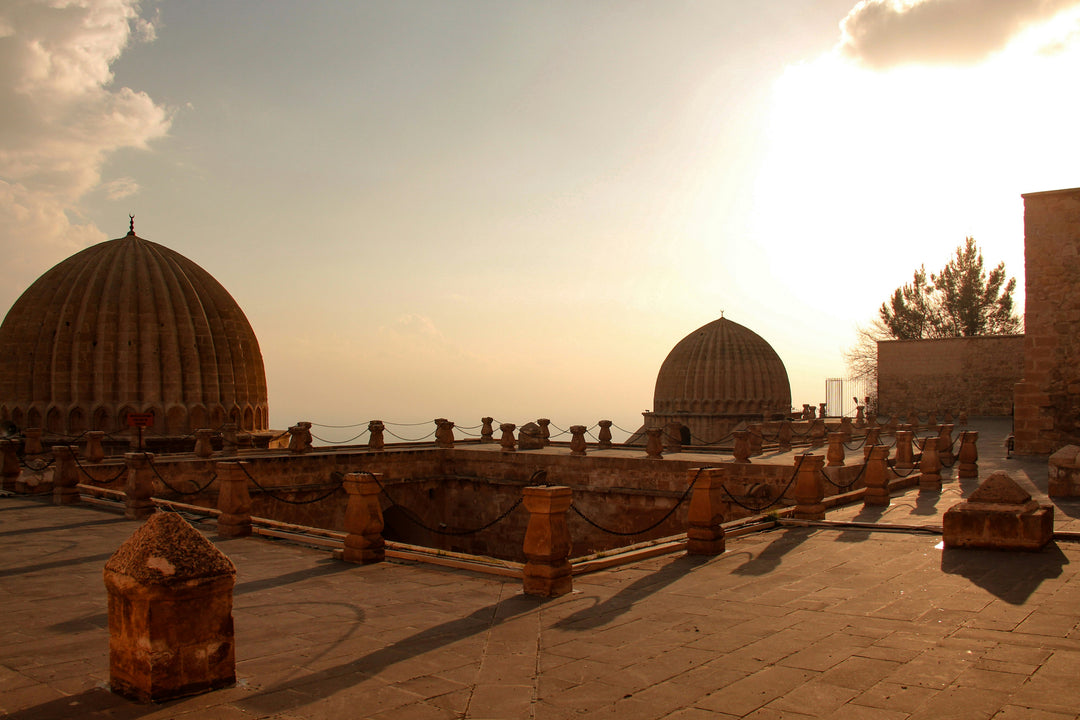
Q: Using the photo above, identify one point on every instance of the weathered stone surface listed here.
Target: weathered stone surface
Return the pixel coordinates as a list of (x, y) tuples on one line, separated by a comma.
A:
[(708, 510), (1064, 472), (547, 571), (809, 487), (170, 613), (530, 437), (999, 515), (363, 520)]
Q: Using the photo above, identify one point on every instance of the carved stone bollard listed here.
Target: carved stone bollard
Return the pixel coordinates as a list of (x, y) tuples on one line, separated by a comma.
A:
[(930, 466), (487, 433), (364, 543), (234, 500), (783, 436), (876, 476), (547, 571), (228, 438), (375, 435), (968, 456), (847, 429), (139, 486), (817, 433), (860, 419), (708, 508), (170, 613), (873, 434), (297, 441), (507, 440), (604, 436), (931, 421), (577, 440), (95, 451), (32, 442), (654, 443), (913, 419), (9, 467), (821, 410), (444, 433), (529, 437), (949, 416), (756, 438), (945, 444), (65, 475), (741, 449), (809, 487), (545, 433), (905, 456), (835, 453), (871, 419), (807, 412), (673, 437), (963, 417), (204, 444)]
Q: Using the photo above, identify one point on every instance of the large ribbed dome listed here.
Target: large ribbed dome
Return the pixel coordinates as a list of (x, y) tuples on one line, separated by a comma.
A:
[(129, 326), (722, 368)]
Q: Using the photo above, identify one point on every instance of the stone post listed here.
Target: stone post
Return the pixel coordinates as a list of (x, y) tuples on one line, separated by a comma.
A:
[(9, 468), (204, 445), (821, 410), (930, 466), (228, 439), (32, 442), (835, 453), (847, 429), (487, 433), (860, 419), (604, 436), (945, 444), (65, 475), (444, 433), (913, 419), (234, 500), (577, 440), (968, 455), (298, 443), (871, 419), (807, 412), (507, 441), (547, 571), (673, 437), (876, 476), (963, 418), (755, 436), (545, 433), (817, 433), (708, 508), (364, 543), (654, 443), (170, 613), (892, 425), (809, 487), (873, 434), (931, 421), (375, 435), (784, 435), (741, 449), (139, 486), (905, 457), (949, 416), (94, 452)]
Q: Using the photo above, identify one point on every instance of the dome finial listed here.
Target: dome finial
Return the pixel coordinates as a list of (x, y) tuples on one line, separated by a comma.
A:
[(131, 224)]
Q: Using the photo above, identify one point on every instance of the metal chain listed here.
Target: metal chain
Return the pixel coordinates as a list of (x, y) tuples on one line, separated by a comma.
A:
[(93, 481), (330, 492), (776, 501), (196, 491), (655, 525)]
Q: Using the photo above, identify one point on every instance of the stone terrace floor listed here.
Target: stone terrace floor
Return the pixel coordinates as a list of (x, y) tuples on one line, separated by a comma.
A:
[(791, 623)]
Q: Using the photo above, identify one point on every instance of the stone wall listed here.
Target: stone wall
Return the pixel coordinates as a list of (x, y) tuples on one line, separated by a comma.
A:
[(976, 374), (1048, 397)]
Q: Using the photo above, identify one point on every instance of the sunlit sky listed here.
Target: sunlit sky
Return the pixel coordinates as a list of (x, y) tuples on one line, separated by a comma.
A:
[(459, 208)]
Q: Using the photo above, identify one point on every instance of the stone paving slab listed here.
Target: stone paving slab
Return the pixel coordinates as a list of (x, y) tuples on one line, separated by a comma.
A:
[(793, 623)]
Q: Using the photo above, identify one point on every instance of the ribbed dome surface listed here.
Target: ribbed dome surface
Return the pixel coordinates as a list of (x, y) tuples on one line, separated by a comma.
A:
[(722, 368), (129, 326)]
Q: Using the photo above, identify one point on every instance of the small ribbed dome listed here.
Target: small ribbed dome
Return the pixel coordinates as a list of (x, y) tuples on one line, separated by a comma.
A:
[(722, 368), (129, 326)]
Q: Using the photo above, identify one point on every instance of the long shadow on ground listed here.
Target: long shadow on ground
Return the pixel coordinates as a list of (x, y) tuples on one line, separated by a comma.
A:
[(1011, 576)]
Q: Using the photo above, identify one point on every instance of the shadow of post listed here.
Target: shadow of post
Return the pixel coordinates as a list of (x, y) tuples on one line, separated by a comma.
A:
[(1010, 575)]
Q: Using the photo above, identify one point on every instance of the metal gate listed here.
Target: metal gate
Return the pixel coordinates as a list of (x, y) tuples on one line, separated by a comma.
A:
[(842, 397)]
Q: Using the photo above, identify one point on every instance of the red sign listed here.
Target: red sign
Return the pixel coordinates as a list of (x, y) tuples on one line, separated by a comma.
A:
[(140, 420)]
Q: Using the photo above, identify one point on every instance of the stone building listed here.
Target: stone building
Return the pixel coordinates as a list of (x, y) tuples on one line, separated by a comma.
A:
[(716, 377), (129, 326), (1047, 400)]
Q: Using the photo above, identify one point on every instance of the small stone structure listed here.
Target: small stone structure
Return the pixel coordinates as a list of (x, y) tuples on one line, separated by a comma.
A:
[(999, 515), (170, 613), (707, 511), (65, 476), (547, 571), (234, 500), (139, 486), (363, 520), (809, 488), (1064, 470), (530, 437)]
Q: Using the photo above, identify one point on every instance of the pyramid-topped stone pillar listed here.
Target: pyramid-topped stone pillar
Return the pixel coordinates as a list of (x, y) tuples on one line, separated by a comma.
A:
[(999, 515), (170, 613)]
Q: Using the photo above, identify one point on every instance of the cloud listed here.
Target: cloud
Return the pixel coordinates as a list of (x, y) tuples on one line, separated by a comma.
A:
[(887, 33), (62, 117)]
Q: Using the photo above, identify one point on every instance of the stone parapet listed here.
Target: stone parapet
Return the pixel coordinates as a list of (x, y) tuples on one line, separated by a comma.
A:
[(1064, 473)]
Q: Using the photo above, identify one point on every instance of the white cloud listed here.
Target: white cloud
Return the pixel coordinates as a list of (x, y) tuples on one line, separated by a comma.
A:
[(887, 33), (62, 118)]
